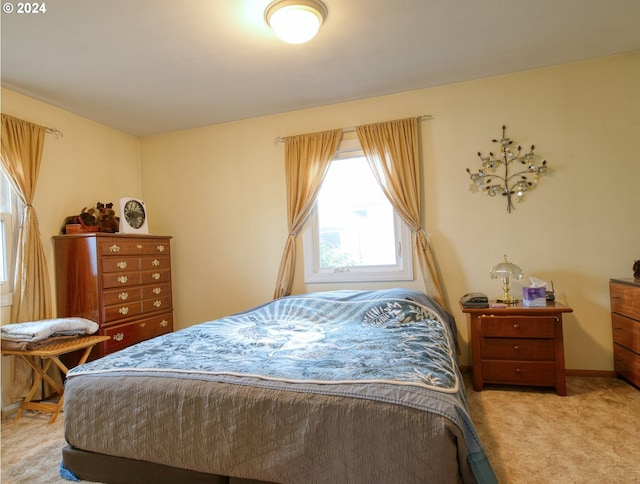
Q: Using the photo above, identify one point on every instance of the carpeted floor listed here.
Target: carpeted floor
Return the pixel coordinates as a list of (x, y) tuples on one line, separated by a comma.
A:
[(531, 435)]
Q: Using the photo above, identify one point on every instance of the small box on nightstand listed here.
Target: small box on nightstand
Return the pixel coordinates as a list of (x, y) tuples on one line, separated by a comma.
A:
[(534, 296)]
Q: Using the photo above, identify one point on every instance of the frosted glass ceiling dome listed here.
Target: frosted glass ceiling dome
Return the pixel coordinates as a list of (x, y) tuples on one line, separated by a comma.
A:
[(295, 21)]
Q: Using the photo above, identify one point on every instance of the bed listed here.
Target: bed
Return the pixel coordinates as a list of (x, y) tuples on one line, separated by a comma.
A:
[(341, 386)]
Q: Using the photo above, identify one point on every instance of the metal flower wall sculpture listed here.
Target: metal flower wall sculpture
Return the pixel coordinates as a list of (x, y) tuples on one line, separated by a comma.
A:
[(498, 177)]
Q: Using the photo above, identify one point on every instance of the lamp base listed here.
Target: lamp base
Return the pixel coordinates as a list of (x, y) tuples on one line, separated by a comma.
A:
[(508, 299)]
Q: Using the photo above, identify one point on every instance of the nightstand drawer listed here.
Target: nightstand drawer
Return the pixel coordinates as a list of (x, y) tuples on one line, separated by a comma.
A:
[(517, 349), (518, 326), (519, 372)]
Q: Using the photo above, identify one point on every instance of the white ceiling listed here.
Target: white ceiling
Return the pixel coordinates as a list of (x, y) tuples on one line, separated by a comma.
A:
[(153, 66)]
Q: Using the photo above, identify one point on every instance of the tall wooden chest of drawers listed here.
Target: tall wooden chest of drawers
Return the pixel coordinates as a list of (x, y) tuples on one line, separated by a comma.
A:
[(120, 281), (518, 345), (625, 321)]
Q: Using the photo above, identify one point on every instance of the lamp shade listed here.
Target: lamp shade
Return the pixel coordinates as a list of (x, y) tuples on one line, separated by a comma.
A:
[(295, 21), (506, 271)]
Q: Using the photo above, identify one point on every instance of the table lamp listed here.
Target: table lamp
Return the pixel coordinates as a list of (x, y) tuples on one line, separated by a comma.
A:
[(506, 271)]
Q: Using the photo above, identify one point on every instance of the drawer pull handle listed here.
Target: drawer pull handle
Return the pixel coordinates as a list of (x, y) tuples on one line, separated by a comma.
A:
[(118, 336), (114, 248), (122, 264), (123, 279), (516, 326), (516, 347), (157, 303), (123, 310), (160, 248), (164, 323), (155, 263), (156, 275), (518, 370), (139, 246), (142, 325), (157, 290), (123, 296)]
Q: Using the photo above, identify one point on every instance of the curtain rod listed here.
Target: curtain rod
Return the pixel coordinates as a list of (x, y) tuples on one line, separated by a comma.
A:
[(55, 132), (424, 117)]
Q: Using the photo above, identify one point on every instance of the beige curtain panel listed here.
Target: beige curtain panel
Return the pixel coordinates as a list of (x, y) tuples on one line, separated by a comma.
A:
[(392, 150), (22, 144), (307, 159)]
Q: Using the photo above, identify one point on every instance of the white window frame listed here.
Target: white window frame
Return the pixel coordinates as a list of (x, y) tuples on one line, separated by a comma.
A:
[(9, 233), (402, 270)]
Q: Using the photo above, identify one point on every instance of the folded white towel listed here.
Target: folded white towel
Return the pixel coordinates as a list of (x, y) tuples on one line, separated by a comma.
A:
[(40, 330)]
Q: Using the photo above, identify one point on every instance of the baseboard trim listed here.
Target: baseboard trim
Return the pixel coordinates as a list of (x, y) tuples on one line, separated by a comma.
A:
[(592, 373), (10, 410)]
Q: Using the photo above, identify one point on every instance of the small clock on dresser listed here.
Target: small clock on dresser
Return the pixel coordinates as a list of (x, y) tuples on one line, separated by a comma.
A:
[(133, 216)]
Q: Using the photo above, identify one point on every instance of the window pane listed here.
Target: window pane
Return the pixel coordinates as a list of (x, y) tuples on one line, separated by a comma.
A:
[(5, 194), (355, 219), (8, 232), (3, 263)]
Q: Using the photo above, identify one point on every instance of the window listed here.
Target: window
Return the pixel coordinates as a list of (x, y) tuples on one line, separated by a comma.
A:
[(353, 233), (8, 236)]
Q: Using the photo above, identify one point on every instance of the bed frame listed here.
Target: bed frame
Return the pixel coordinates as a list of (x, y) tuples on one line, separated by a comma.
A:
[(90, 466)]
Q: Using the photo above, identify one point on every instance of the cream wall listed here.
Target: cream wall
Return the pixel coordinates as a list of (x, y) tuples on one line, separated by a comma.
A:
[(220, 191), (90, 163)]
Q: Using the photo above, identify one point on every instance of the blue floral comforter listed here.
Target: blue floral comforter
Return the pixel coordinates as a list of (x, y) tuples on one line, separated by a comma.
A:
[(314, 340)]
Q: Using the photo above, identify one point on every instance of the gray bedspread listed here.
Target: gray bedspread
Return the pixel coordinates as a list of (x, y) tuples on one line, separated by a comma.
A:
[(328, 387)]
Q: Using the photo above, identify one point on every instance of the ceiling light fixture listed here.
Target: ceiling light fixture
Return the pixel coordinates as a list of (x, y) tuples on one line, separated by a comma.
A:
[(295, 21)]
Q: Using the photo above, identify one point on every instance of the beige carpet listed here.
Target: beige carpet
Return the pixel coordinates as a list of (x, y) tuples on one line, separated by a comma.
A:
[(531, 435)]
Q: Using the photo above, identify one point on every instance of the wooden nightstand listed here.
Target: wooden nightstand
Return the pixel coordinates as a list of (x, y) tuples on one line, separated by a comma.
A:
[(518, 345)]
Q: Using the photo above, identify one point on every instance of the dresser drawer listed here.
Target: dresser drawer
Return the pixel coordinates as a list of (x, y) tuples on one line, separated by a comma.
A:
[(124, 335), (517, 349), (121, 295), (519, 372), (120, 264), (120, 279), (157, 262), (121, 311), (625, 299), (156, 304), (626, 332), (134, 247), (156, 290), (155, 276), (518, 326)]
